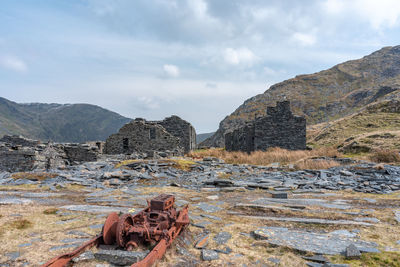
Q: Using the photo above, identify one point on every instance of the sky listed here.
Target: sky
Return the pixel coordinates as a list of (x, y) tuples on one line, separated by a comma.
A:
[(198, 59)]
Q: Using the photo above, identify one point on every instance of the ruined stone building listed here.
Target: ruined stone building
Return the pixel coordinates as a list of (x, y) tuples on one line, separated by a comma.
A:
[(172, 135), (21, 154), (279, 128)]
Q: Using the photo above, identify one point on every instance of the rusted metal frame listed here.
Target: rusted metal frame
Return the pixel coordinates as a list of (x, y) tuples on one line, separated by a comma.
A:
[(128, 231), (63, 260)]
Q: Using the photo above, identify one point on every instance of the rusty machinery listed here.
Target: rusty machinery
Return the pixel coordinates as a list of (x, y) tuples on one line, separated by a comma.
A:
[(157, 225)]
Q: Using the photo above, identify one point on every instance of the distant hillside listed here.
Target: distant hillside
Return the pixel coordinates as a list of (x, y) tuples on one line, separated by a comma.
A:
[(201, 137), (377, 126), (57, 122), (326, 95)]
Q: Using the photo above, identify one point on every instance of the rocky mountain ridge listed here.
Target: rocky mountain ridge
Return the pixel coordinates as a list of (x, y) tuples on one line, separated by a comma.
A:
[(326, 95)]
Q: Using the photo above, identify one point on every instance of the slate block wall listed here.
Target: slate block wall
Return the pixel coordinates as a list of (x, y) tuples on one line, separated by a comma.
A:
[(241, 139), (17, 160), (279, 128), (80, 152), (182, 130), (15, 140), (141, 136)]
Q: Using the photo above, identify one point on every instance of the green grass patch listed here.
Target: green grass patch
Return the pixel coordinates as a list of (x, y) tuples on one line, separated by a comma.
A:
[(20, 224), (50, 211), (387, 259)]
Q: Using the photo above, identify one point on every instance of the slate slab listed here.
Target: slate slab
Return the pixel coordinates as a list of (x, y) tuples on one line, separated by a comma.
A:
[(352, 252), (85, 256), (13, 255), (95, 208), (209, 255), (15, 201), (318, 243), (397, 215), (274, 260), (225, 250), (317, 258), (211, 217), (207, 207), (24, 245), (40, 195), (62, 247), (222, 237), (75, 240), (305, 202), (202, 241), (307, 220), (282, 195), (120, 257)]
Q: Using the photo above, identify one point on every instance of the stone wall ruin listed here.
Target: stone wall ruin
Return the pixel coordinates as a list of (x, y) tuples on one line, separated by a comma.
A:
[(279, 128), (18, 154), (172, 136)]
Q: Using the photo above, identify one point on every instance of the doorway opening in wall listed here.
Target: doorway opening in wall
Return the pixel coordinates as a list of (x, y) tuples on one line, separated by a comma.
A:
[(152, 133), (125, 144)]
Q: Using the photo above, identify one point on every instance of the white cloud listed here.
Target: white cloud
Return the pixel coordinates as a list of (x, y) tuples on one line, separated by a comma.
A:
[(171, 70), (334, 6), (379, 14), (149, 102), (13, 63), (270, 72), (304, 39), (198, 7), (239, 56), (382, 13)]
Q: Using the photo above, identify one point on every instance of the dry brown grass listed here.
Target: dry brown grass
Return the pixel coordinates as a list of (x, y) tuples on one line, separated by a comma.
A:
[(313, 164), (385, 156), (33, 175), (302, 158)]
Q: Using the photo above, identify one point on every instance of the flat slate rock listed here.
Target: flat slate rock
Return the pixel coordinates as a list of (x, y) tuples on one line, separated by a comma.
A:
[(95, 208), (13, 255), (75, 240), (120, 257), (397, 215), (222, 237), (202, 241), (317, 258), (85, 256), (327, 264), (24, 245), (63, 247), (274, 260), (211, 217), (337, 204), (327, 244), (281, 195), (40, 195), (209, 255), (307, 220), (207, 207), (15, 201)]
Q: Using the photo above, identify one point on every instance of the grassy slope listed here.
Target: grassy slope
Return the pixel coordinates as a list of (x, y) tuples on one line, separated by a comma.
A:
[(375, 127)]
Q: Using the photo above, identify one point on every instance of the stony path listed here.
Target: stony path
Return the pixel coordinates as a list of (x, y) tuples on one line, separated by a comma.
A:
[(240, 215)]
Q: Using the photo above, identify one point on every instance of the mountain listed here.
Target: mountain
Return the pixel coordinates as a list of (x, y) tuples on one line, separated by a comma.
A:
[(58, 122), (326, 95), (201, 137)]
